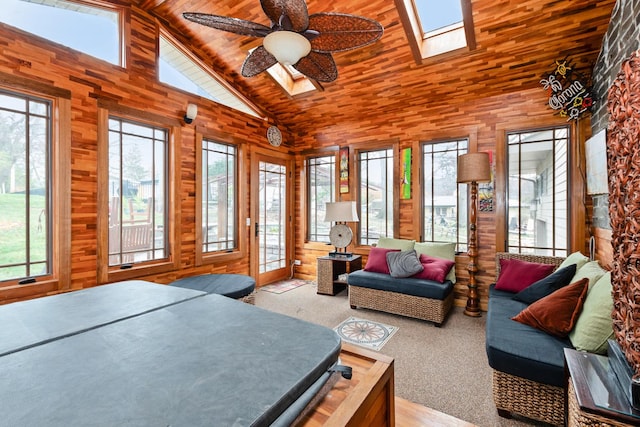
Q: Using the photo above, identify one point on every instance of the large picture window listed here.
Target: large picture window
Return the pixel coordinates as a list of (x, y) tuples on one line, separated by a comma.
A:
[(25, 187), (138, 170), (219, 197), (321, 188), (444, 201), (69, 23), (538, 203), (376, 195)]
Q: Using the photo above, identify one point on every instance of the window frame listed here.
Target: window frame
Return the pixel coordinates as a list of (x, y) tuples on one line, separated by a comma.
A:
[(240, 252), (60, 183), (421, 208), (431, 45), (170, 39), (354, 184), (106, 273), (335, 196), (572, 210), (123, 18)]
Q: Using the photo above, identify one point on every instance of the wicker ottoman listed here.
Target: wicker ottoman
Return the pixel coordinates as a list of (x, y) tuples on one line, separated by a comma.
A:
[(237, 286)]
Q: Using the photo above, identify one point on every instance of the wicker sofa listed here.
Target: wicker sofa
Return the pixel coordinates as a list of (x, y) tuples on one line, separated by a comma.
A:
[(527, 364)]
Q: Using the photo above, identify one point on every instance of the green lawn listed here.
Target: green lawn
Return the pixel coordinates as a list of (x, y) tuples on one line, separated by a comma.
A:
[(13, 233)]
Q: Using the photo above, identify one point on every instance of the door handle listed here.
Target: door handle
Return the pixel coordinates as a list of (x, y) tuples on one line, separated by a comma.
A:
[(257, 229)]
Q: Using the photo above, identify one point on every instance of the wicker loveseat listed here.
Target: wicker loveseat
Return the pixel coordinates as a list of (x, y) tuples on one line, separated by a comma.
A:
[(415, 297)]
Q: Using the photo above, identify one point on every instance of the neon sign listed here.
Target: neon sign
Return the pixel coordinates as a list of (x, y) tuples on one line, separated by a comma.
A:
[(568, 94)]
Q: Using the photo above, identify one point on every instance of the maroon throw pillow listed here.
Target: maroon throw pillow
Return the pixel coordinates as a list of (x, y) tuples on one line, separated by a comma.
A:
[(434, 268), (557, 313), (377, 260), (515, 275)]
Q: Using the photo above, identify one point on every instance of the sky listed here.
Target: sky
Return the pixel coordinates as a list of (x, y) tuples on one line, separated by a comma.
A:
[(436, 14), (100, 35)]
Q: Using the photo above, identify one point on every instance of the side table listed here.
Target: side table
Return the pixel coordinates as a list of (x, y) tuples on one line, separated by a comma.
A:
[(593, 394), (330, 267)]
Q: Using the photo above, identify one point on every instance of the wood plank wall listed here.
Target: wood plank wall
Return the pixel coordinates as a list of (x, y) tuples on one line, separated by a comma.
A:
[(485, 121), (90, 80)]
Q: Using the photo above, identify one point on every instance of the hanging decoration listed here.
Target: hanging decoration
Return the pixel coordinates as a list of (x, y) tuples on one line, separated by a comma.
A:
[(569, 94), (405, 185), (485, 189), (344, 170)]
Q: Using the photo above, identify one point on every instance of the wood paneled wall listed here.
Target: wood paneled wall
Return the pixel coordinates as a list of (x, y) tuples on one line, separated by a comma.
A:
[(484, 120), (136, 88), (91, 81)]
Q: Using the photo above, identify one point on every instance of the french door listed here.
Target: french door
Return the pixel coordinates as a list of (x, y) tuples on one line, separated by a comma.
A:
[(271, 192)]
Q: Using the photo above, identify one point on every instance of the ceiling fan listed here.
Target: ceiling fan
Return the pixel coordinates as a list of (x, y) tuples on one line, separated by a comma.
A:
[(297, 39)]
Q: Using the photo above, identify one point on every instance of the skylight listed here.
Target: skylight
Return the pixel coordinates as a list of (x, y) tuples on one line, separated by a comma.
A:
[(436, 27), (435, 15), (184, 72), (90, 29)]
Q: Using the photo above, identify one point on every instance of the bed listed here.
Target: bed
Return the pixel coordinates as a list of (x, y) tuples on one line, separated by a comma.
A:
[(142, 354)]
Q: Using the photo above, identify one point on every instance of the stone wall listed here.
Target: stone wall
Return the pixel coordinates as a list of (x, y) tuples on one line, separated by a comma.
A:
[(622, 38)]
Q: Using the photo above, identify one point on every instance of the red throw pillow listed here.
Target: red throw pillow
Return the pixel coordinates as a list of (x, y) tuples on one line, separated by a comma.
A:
[(377, 260), (434, 268), (557, 313), (515, 275)]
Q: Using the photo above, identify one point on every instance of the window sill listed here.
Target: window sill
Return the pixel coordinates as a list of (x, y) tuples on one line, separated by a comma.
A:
[(117, 274)]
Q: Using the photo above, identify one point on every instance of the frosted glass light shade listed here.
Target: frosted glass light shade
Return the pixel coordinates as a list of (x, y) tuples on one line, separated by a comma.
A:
[(288, 47)]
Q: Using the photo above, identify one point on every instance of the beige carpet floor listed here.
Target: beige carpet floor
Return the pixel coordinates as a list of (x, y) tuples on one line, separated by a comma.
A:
[(442, 368)]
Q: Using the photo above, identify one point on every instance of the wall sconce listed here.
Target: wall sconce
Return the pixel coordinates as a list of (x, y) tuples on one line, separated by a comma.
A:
[(191, 113)]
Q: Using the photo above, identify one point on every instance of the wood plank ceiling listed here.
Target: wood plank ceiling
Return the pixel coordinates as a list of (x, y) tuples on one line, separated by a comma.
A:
[(517, 42)]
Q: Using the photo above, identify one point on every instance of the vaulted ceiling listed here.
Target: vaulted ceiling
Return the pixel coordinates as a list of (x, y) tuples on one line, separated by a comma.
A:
[(517, 42)]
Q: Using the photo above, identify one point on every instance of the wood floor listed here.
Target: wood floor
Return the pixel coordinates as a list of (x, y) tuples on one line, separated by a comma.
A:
[(409, 414)]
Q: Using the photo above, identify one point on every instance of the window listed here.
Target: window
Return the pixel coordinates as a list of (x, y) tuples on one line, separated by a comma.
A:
[(182, 70), (91, 29), (138, 176), (25, 187), (538, 205), (321, 188), (219, 197), (376, 195), (444, 201), (435, 27)]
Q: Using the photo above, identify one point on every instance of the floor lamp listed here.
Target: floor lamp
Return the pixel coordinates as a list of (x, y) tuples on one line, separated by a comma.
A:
[(473, 168)]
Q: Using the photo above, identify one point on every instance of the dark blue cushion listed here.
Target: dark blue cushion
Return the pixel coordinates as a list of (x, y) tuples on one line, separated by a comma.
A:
[(546, 286), (408, 285), (230, 285), (519, 349)]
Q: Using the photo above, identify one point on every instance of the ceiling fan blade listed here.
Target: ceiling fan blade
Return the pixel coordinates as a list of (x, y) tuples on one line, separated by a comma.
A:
[(339, 31), (319, 66), (257, 61), (295, 10), (225, 23)]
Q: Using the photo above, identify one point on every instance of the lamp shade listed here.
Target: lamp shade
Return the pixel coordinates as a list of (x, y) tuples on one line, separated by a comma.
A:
[(288, 47), (474, 167), (341, 212)]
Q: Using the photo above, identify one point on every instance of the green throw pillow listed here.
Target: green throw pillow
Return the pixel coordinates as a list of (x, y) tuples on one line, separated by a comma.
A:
[(595, 326), (591, 270), (389, 243), (575, 258), (439, 250)]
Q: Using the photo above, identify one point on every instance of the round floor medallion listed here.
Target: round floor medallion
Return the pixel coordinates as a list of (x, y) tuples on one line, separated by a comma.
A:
[(362, 331)]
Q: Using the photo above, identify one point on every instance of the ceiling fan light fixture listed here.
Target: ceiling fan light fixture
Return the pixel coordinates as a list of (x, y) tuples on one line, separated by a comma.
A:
[(288, 47)]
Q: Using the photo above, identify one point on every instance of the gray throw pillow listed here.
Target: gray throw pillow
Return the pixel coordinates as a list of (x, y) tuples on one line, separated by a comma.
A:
[(404, 263)]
